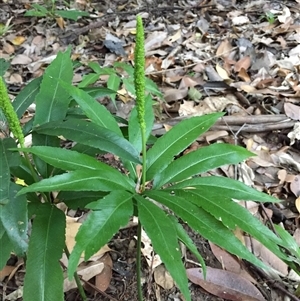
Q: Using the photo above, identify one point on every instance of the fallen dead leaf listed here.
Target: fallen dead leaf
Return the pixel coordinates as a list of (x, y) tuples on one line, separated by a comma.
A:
[(295, 186), (230, 263), (103, 279), (163, 278), (225, 284), (266, 256), (21, 59)]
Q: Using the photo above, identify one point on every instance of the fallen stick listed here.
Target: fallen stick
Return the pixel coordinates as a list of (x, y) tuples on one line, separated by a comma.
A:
[(251, 124)]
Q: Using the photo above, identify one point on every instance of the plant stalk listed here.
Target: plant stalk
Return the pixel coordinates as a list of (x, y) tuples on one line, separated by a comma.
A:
[(138, 262), (77, 279)]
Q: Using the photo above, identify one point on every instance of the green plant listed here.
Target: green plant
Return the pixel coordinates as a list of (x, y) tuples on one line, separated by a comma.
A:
[(49, 10), (176, 190), (269, 16), (116, 78), (4, 28)]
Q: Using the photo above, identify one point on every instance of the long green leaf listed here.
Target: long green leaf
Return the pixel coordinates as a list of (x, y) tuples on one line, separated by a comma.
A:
[(163, 235), (5, 250), (220, 186), (80, 180), (175, 141), (27, 96), (44, 275), (45, 170), (199, 161), (233, 215), (93, 135), (52, 103), (113, 83), (79, 199), (14, 219), (70, 160), (52, 100), (111, 213), (4, 175), (97, 92), (184, 237), (204, 223), (93, 109)]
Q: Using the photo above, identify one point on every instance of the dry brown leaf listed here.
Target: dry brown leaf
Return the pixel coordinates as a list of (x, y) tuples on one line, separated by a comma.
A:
[(297, 203), (243, 63), (163, 278), (268, 257), (21, 59), (86, 272), (18, 40), (292, 111), (103, 279), (225, 284), (6, 271), (244, 75), (295, 186), (222, 72), (175, 94), (230, 263), (155, 40), (8, 48), (224, 48), (60, 22), (282, 174)]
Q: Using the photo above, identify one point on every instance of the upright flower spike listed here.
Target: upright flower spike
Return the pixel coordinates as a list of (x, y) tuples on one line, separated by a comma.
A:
[(10, 114), (139, 72)]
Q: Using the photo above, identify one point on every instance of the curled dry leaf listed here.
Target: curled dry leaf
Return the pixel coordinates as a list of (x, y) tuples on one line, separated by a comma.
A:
[(225, 284)]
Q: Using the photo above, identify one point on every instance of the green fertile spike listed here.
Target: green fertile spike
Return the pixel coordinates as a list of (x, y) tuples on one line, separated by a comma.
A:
[(10, 114), (139, 72)]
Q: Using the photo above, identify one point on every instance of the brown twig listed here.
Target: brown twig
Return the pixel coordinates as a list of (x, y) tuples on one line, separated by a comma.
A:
[(253, 124)]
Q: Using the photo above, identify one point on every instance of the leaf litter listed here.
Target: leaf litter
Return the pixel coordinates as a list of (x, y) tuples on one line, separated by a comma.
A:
[(240, 57)]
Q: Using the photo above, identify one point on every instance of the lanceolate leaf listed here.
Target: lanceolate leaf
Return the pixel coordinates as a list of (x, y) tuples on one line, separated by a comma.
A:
[(204, 223), (111, 213), (164, 239), (71, 160), (38, 139), (184, 237), (175, 141), (93, 109), (201, 160), (4, 175), (14, 219), (27, 96), (233, 215), (52, 100), (92, 135), (113, 83), (44, 275), (82, 180), (6, 249), (220, 186)]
